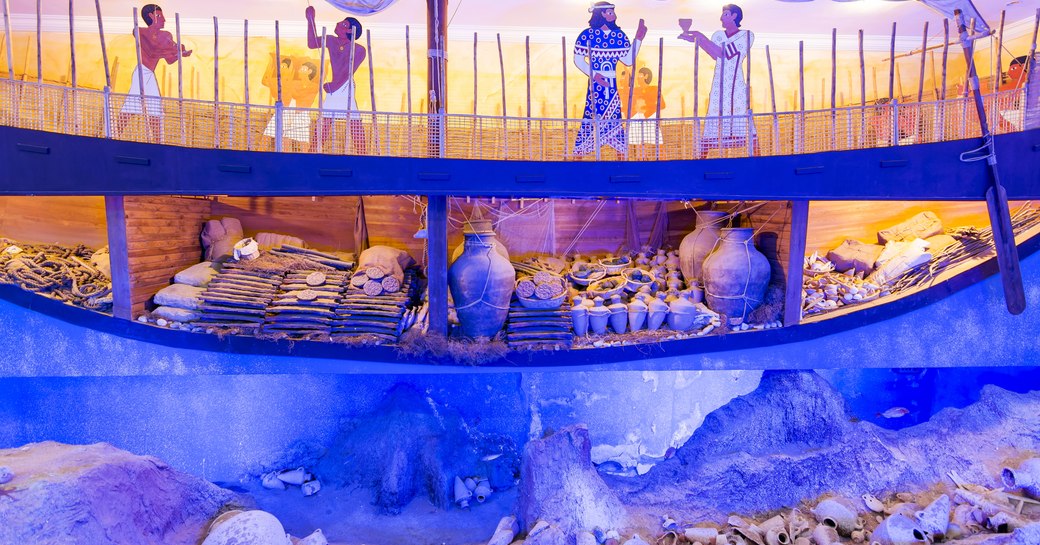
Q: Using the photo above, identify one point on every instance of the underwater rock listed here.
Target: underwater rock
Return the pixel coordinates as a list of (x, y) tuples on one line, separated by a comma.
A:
[(101, 495), (791, 440), (550, 534), (1029, 535), (407, 446), (558, 483)]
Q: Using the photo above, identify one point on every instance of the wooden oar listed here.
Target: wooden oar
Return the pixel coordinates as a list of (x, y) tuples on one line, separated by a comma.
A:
[(996, 197)]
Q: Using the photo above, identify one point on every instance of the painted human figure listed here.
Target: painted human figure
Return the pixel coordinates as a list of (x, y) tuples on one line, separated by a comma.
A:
[(597, 51), (156, 44), (299, 89), (729, 90), (1012, 114), (643, 130), (340, 102)]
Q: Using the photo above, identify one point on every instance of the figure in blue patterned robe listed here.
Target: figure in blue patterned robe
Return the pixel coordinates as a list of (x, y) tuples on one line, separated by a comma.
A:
[(596, 53)]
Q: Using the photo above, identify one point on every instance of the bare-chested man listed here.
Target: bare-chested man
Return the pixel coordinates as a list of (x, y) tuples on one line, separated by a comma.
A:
[(155, 44), (341, 102)]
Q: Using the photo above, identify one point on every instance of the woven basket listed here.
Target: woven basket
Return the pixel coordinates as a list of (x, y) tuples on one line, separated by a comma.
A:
[(634, 285), (594, 289), (535, 303), (596, 272), (614, 268)]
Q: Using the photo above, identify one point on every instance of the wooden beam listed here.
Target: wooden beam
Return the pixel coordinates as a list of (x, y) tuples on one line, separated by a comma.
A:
[(796, 262), (437, 257), (115, 219)]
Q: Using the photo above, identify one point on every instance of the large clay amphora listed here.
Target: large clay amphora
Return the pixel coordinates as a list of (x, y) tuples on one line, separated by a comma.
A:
[(481, 227), (481, 283), (735, 275), (698, 244)]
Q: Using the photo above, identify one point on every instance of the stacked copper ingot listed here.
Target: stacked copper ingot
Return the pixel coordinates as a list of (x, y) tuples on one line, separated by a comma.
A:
[(237, 298), (304, 306), (360, 313)]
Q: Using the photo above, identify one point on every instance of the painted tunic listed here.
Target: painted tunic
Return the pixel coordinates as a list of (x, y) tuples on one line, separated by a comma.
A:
[(603, 48), (729, 90)]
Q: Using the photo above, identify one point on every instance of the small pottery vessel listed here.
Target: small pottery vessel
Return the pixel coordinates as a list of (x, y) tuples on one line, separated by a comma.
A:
[(618, 314), (1026, 477), (872, 503), (681, 313), (462, 493), (660, 259), (838, 513), (642, 260), (293, 476), (599, 315), (701, 535), (825, 535), (935, 518), (580, 317), (657, 312), (672, 262), (636, 313), (259, 527), (482, 490), (899, 530)]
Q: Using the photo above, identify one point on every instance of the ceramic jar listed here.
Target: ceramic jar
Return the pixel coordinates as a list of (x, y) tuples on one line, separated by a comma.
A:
[(618, 314), (636, 313), (735, 275), (579, 317), (599, 315), (481, 283), (657, 313), (696, 246)]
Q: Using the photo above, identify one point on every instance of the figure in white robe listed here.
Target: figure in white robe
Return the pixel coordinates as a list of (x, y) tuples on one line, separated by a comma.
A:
[(727, 123)]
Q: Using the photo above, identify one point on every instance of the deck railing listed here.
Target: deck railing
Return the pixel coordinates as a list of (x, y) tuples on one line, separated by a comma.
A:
[(222, 125)]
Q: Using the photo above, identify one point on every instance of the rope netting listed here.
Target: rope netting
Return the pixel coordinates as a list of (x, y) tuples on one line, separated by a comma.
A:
[(59, 272)]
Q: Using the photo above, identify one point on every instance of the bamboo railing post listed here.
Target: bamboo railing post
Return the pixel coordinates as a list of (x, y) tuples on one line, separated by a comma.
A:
[(660, 82), (527, 59), (998, 74), (216, 85), (72, 46), (39, 38), (140, 79), (920, 78), (473, 126), (408, 78), (245, 81), (892, 64), (180, 79), (834, 86), (749, 133), (279, 119), (372, 91), (563, 43), (862, 93), (7, 39), (104, 48), (502, 72), (945, 55), (628, 118), (800, 137), (772, 101), (899, 83)]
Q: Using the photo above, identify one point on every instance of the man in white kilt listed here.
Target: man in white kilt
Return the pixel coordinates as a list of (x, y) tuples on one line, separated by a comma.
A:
[(155, 44)]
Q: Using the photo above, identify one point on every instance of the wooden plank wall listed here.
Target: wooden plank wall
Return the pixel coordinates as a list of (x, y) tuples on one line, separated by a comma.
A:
[(604, 234), (830, 223), (162, 238), (69, 221), (327, 223)]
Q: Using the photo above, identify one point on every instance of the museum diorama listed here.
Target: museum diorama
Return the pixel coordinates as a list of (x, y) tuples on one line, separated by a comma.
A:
[(553, 273)]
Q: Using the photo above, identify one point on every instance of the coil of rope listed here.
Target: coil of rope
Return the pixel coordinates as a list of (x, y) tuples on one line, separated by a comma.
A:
[(60, 272)]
